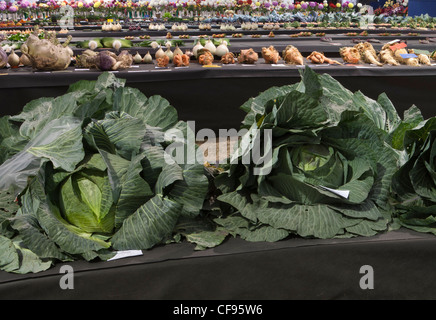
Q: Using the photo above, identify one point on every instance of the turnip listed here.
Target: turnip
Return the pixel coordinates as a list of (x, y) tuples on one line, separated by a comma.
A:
[(47, 54), (105, 60), (3, 58)]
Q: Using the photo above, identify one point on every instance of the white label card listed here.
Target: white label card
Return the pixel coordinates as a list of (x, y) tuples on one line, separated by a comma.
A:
[(125, 254), (341, 193)]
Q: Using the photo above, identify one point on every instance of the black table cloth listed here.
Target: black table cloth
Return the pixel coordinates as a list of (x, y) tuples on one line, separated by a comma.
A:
[(394, 265), (402, 261), (211, 96)]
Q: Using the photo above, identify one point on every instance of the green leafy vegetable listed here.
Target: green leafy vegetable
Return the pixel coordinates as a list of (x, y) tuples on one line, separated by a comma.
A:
[(85, 174), (414, 184), (108, 42), (85, 44), (329, 168)]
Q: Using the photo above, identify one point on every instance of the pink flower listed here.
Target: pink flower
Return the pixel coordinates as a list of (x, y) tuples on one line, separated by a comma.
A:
[(25, 4)]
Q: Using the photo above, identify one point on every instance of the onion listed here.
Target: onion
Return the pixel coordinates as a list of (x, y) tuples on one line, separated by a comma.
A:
[(210, 46), (137, 58), (25, 61), (147, 58), (13, 59), (159, 53), (197, 47), (170, 54), (178, 51), (222, 49)]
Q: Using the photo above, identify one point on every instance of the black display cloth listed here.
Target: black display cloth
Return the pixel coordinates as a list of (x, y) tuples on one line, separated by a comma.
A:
[(291, 269), (394, 265), (212, 96), (305, 45)]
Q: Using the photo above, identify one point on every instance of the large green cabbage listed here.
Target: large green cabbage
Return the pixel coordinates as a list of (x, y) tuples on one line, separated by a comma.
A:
[(84, 175), (414, 184), (330, 167)]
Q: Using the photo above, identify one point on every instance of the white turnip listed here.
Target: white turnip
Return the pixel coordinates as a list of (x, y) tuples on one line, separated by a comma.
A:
[(47, 54)]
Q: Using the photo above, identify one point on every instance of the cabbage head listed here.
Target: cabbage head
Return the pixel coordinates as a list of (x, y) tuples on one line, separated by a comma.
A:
[(84, 175), (414, 184), (86, 201), (329, 169)]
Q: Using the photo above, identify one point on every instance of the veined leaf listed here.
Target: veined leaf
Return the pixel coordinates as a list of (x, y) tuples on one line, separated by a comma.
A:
[(149, 225), (51, 143), (154, 111)]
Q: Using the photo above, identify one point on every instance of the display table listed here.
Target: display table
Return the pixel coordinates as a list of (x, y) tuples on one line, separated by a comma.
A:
[(401, 262), (211, 96), (296, 268)]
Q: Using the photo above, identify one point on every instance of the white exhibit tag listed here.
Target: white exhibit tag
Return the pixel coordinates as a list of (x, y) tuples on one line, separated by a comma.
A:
[(125, 254), (341, 193)]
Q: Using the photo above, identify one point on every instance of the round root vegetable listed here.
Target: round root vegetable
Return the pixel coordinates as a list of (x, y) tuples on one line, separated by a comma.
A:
[(291, 55), (181, 60), (105, 60), (47, 54), (205, 57), (350, 55), (228, 58), (163, 61), (248, 56), (25, 61), (270, 55)]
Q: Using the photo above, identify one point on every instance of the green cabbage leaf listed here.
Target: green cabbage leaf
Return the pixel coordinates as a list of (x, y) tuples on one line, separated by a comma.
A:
[(327, 166), (84, 175)]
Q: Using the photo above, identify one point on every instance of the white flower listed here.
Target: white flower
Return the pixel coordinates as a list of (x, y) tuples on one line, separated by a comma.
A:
[(359, 5)]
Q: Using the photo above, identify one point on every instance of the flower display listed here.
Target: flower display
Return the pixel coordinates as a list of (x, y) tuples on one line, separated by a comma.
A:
[(206, 8)]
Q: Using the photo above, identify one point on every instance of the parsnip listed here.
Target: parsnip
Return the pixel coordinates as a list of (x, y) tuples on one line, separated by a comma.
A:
[(387, 56), (369, 57)]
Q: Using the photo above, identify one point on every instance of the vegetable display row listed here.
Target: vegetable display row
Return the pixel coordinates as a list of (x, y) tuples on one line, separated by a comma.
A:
[(47, 53), (105, 168)]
